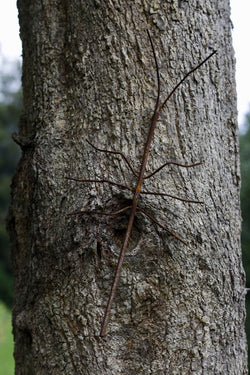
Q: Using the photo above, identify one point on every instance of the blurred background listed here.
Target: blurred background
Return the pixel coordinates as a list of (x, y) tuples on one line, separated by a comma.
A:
[(11, 107)]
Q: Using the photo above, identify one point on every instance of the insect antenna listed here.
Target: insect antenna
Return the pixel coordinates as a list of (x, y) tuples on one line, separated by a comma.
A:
[(157, 73), (183, 79)]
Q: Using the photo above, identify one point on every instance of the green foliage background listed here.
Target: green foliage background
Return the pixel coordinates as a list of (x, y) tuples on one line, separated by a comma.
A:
[(245, 208), (10, 110), (6, 342)]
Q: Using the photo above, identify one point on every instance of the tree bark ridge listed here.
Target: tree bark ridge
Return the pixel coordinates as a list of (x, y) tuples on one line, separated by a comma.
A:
[(88, 72)]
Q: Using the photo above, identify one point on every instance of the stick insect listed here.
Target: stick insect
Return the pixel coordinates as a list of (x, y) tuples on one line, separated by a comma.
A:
[(140, 179)]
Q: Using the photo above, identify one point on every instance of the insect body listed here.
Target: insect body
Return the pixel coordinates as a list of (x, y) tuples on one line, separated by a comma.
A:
[(140, 179)]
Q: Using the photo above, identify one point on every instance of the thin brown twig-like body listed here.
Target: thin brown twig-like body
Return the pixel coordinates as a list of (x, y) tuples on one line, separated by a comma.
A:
[(140, 178), (154, 120)]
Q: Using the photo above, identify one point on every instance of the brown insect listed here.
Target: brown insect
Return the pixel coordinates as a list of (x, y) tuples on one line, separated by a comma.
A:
[(140, 178)]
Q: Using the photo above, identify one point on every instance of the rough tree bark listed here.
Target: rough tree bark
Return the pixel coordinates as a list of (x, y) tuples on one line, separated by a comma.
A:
[(88, 72)]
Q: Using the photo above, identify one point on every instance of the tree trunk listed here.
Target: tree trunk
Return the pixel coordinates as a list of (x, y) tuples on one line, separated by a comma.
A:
[(88, 72)]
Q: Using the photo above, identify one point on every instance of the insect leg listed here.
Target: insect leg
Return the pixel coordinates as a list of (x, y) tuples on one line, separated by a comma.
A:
[(114, 153), (161, 226), (173, 163)]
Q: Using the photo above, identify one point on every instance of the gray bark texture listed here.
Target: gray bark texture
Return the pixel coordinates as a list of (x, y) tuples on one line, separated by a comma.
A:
[(88, 72)]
